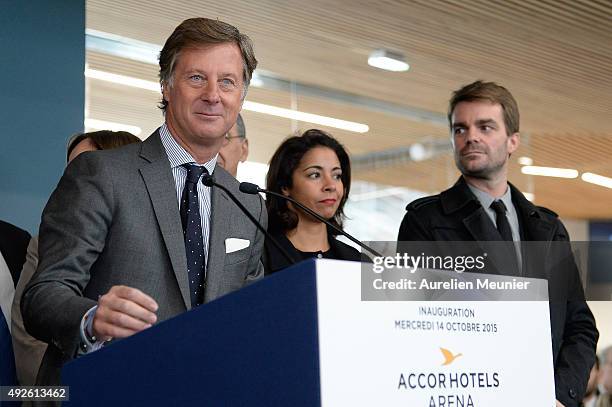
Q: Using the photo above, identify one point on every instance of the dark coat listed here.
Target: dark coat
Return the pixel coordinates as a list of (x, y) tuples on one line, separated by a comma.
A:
[(13, 245), (456, 215)]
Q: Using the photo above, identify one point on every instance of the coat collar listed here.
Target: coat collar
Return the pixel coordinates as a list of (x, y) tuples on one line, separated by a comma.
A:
[(535, 225), (458, 197)]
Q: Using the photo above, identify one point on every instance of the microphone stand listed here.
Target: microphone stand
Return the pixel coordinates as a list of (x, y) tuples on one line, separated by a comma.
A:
[(209, 181), (251, 188)]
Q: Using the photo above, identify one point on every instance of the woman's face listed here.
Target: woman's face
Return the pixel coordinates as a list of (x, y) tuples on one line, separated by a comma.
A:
[(317, 182)]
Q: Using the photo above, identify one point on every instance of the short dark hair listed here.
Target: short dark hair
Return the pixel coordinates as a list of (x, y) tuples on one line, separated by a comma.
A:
[(280, 175), (102, 140), (203, 31), (492, 92)]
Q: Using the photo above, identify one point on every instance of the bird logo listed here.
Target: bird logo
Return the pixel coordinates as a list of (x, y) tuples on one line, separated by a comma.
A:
[(448, 356)]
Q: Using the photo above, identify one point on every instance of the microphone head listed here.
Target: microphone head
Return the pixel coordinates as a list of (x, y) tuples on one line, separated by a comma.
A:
[(248, 188), (207, 179)]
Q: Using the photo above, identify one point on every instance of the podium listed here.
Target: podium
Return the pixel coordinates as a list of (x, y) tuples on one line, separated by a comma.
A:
[(305, 337)]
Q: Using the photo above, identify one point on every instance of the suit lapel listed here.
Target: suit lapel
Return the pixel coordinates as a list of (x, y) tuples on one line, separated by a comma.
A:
[(161, 187), (482, 230), (479, 225), (537, 235), (219, 229)]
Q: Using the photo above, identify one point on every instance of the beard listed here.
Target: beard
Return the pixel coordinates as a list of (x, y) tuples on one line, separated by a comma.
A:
[(487, 166)]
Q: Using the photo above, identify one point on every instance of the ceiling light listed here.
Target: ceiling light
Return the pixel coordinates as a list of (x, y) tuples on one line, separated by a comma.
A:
[(123, 80), (597, 179), (122, 47), (525, 161), (94, 124), (250, 106), (549, 171), (388, 60), (418, 152), (305, 117)]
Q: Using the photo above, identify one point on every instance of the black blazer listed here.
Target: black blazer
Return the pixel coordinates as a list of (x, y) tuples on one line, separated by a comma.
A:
[(273, 260), (13, 245), (456, 215)]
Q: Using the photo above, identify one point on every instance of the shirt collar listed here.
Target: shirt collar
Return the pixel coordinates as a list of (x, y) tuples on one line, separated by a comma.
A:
[(486, 199), (177, 154)]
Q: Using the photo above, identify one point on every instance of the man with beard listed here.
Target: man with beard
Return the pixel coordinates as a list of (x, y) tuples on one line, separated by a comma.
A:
[(483, 206)]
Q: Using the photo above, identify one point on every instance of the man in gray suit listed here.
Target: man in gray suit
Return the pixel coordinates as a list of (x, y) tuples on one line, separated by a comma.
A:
[(131, 236)]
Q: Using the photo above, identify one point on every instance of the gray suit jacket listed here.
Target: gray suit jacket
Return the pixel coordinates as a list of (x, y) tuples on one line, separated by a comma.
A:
[(114, 220)]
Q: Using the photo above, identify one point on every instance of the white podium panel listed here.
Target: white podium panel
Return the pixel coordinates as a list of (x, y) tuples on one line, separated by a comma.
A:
[(429, 353)]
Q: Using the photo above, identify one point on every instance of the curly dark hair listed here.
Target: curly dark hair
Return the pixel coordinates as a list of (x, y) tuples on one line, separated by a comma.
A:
[(280, 175)]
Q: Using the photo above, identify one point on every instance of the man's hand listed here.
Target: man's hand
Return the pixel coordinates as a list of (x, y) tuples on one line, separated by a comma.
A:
[(123, 311), (559, 404)]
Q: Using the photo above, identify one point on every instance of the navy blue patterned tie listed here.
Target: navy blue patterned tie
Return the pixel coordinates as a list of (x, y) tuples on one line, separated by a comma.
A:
[(192, 232)]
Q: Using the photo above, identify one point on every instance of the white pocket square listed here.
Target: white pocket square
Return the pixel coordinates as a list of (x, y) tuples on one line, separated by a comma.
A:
[(233, 244)]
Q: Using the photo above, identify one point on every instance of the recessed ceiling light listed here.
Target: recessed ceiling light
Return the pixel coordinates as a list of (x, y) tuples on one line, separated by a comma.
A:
[(388, 60), (597, 179), (549, 171), (525, 161)]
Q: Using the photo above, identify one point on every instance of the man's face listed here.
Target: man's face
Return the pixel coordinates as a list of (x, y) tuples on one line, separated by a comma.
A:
[(481, 144), (235, 150), (204, 96)]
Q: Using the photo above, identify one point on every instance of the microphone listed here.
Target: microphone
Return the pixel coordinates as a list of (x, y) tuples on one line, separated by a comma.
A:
[(209, 181), (249, 188)]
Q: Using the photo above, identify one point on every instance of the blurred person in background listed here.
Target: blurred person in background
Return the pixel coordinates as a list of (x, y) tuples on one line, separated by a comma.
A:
[(13, 244), (591, 395), (605, 372), (235, 148)]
